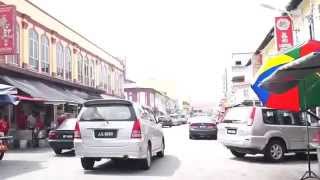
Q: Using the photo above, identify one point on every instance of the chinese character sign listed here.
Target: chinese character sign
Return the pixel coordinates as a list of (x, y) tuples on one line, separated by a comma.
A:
[(283, 32), (7, 30)]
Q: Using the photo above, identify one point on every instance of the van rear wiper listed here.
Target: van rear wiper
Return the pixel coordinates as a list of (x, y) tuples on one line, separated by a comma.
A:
[(94, 119)]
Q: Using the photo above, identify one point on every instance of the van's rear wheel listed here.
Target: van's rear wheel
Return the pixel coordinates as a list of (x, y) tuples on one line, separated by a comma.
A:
[(160, 154), (238, 154), (1, 155), (274, 151), (146, 163), (87, 163)]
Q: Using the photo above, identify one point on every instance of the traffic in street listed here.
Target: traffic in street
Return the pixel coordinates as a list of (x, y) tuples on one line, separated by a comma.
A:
[(204, 159)]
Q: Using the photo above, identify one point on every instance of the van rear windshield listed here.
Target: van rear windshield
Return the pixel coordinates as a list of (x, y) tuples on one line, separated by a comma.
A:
[(107, 113), (237, 115)]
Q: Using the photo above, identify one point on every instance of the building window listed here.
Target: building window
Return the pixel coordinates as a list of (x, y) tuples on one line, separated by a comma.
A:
[(68, 65), (60, 61), (14, 59), (102, 75), (86, 71), (91, 73), (105, 80), (33, 49), (109, 81), (80, 68), (44, 54)]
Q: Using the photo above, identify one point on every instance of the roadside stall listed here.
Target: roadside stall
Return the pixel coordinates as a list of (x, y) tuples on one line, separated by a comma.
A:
[(6, 98), (291, 81)]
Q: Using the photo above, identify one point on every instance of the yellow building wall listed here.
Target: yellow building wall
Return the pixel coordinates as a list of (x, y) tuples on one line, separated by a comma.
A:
[(79, 43)]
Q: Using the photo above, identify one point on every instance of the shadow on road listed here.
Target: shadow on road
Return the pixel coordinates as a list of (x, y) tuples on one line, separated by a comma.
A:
[(165, 166), (11, 168), (68, 153), (288, 159)]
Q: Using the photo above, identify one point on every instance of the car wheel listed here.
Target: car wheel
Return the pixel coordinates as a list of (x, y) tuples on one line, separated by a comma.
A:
[(57, 151), (146, 163), (160, 154), (274, 151), (190, 136), (1, 155), (87, 163), (238, 154)]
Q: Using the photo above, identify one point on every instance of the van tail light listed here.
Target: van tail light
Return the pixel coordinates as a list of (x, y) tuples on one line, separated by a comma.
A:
[(136, 130), (77, 134), (252, 116), (53, 135), (316, 137)]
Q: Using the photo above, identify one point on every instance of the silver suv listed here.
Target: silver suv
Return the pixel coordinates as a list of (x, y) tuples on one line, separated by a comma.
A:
[(260, 130), (117, 129)]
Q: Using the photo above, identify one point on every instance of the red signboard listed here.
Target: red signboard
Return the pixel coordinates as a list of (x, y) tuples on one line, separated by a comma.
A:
[(7, 30), (283, 32)]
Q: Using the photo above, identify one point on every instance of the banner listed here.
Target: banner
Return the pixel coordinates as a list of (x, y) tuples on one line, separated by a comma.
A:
[(283, 32), (7, 30)]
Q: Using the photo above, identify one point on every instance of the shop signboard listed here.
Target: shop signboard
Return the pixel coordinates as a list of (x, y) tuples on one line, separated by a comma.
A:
[(7, 29), (283, 32)]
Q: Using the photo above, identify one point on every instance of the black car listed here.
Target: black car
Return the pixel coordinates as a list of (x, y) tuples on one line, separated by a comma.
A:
[(62, 137), (165, 121), (203, 127)]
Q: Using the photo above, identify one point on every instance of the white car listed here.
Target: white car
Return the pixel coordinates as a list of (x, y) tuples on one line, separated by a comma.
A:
[(117, 129)]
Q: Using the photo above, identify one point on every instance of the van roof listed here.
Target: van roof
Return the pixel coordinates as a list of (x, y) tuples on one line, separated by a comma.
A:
[(107, 101)]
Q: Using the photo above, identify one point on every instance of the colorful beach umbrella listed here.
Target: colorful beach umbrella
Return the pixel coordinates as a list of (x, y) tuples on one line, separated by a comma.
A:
[(290, 80)]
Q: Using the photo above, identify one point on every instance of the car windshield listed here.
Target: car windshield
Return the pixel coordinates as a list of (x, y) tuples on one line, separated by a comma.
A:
[(106, 113)]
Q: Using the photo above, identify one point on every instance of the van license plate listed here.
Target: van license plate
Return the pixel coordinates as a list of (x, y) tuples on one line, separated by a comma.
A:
[(231, 131), (105, 133)]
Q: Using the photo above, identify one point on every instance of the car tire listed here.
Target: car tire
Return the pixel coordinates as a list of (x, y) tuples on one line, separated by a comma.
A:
[(274, 151), (190, 136), (238, 154), (57, 151), (1, 155), (160, 154), (87, 163), (146, 163)]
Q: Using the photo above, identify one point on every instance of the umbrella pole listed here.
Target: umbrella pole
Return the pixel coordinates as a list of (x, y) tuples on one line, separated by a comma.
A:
[(309, 173)]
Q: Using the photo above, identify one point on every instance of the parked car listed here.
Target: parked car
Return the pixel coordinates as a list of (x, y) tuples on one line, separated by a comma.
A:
[(183, 118), (165, 121), (117, 129), (176, 121), (260, 130), (62, 137), (202, 127)]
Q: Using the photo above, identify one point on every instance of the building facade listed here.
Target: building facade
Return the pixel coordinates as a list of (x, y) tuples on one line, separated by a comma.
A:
[(158, 101), (54, 69)]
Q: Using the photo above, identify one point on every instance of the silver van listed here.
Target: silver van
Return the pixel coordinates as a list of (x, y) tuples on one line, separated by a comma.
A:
[(117, 129), (260, 130)]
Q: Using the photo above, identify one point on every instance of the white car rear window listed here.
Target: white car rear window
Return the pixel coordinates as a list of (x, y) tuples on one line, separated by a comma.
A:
[(119, 112)]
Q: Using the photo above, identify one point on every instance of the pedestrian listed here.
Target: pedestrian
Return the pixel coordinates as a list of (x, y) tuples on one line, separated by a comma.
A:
[(31, 120), (4, 125), (39, 124), (21, 119)]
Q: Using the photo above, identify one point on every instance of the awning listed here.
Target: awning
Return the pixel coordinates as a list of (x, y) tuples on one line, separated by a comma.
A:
[(6, 89), (41, 90)]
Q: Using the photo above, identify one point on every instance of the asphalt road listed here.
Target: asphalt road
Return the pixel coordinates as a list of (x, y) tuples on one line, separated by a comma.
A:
[(184, 160)]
